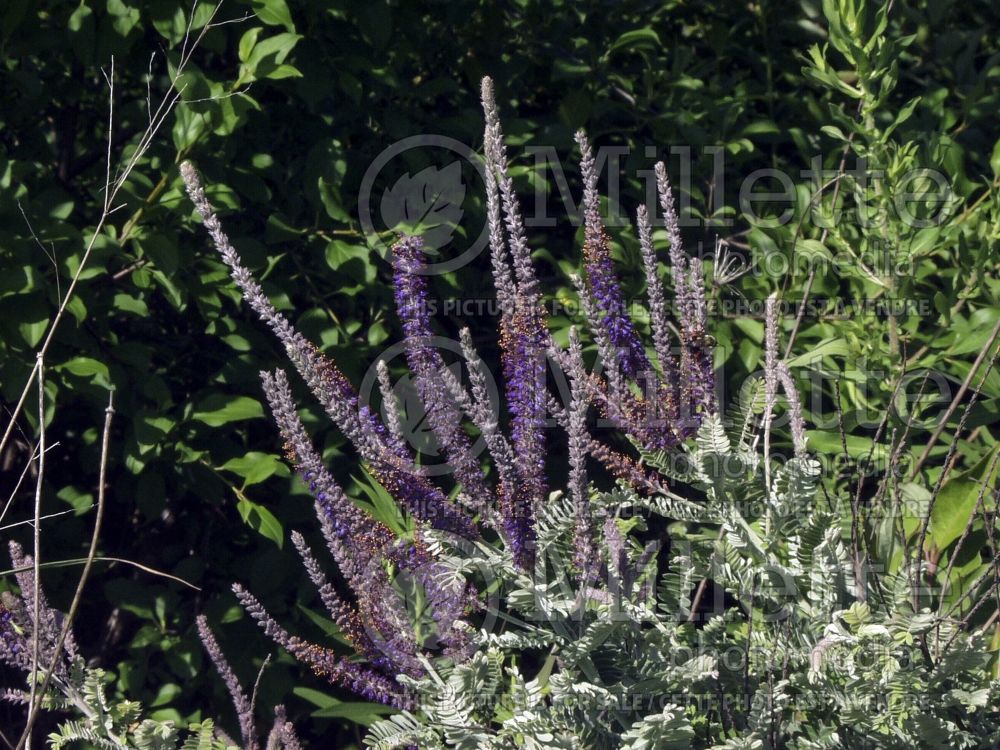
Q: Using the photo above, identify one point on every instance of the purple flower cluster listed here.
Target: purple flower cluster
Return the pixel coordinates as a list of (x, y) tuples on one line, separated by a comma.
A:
[(602, 284), (524, 337), (19, 627), (376, 621), (657, 409), (426, 363), (12, 640), (655, 405), (282, 735)]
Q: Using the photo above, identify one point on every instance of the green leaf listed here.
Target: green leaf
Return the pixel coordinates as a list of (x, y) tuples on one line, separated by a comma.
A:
[(86, 367), (834, 132), (924, 240), (384, 507), (813, 250), (219, 409), (954, 505), (261, 520), (325, 624), (255, 467), (637, 39), (32, 332), (274, 13), (284, 71), (359, 713), (161, 251), (957, 500), (247, 42), (903, 116), (317, 697), (827, 348), (828, 441)]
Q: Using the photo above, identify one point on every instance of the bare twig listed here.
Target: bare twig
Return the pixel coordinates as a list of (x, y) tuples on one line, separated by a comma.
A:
[(37, 536), (45, 517), (955, 401), (949, 463), (50, 254), (101, 558), (946, 581), (35, 702)]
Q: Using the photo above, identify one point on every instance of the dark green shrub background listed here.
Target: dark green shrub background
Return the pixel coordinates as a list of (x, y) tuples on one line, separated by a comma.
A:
[(283, 112)]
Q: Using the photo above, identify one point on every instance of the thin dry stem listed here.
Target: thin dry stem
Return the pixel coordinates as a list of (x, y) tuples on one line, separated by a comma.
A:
[(955, 401), (34, 705)]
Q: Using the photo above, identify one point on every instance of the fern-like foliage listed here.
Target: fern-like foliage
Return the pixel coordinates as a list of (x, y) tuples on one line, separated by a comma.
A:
[(797, 660), (119, 725)]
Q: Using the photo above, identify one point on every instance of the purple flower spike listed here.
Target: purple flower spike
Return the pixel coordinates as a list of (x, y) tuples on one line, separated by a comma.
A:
[(697, 374), (324, 662), (602, 283), (428, 366), (523, 355), (585, 553), (353, 536), (242, 704)]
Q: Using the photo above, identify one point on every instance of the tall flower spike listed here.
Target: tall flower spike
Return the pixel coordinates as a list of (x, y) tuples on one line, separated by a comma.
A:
[(770, 376), (658, 312), (775, 372), (524, 337), (356, 538), (601, 280), (282, 735), (585, 554), (697, 386), (499, 256), (358, 543), (389, 405), (678, 260), (428, 366), (480, 408), (605, 349), (48, 627), (796, 423), (325, 663), (639, 418), (330, 385), (496, 166), (417, 494), (523, 354), (344, 614), (514, 503), (242, 704)]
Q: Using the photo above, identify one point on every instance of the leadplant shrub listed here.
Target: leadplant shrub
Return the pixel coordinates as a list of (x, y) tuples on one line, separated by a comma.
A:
[(705, 597)]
